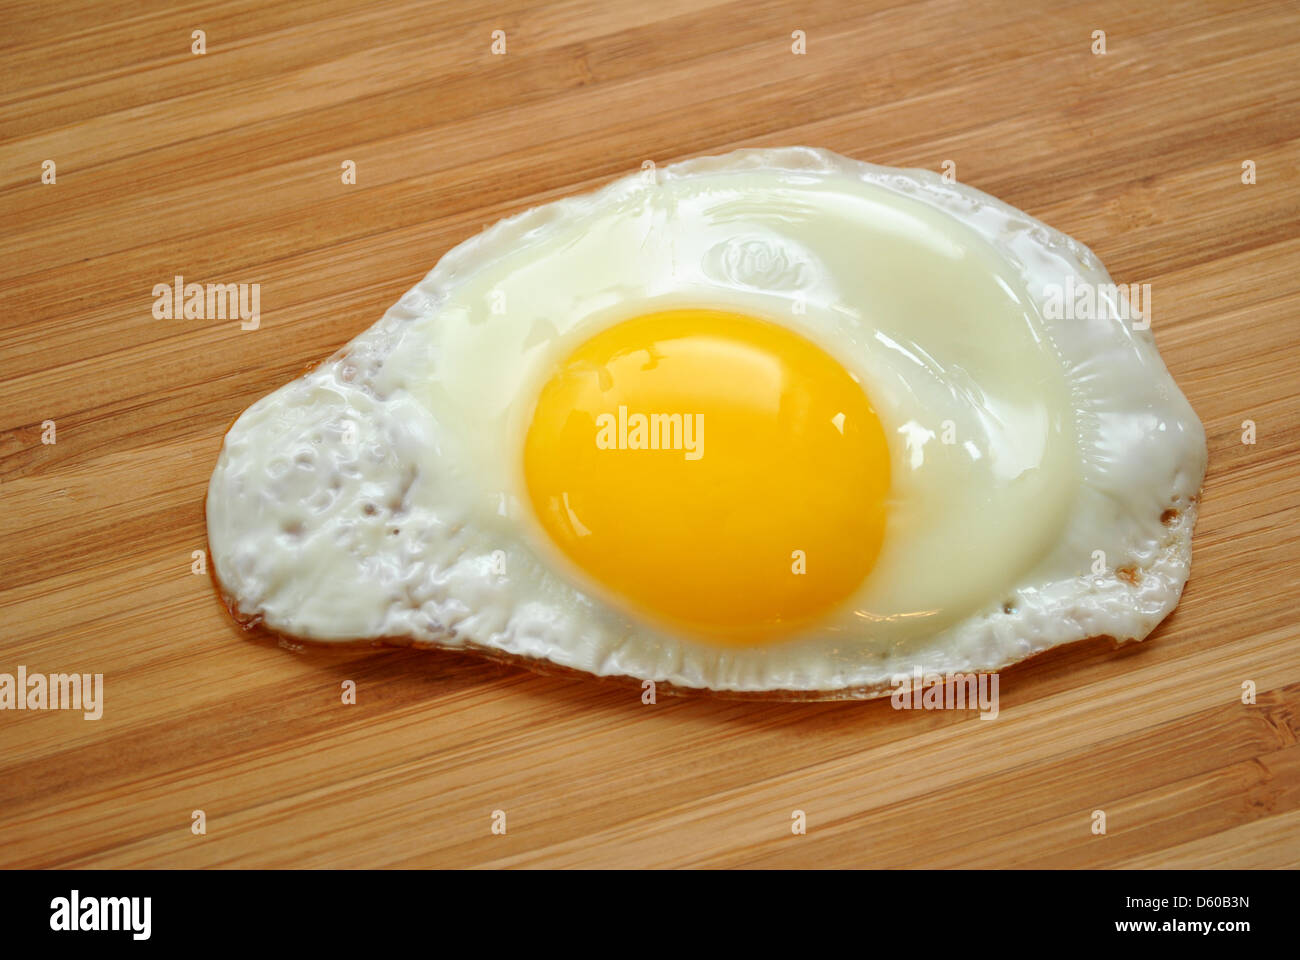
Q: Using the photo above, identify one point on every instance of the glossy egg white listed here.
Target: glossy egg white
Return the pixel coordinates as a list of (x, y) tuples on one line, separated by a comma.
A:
[(1046, 470)]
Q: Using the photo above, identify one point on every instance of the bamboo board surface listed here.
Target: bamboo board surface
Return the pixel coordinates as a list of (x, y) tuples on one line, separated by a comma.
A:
[(225, 167)]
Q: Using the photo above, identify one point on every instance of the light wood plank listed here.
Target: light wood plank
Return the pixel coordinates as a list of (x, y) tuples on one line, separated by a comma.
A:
[(225, 167)]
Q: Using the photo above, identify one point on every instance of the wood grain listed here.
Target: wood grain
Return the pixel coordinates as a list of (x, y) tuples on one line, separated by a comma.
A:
[(225, 167)]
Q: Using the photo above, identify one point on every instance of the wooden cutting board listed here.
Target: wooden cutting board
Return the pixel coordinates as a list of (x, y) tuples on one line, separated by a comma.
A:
[(226, 166)]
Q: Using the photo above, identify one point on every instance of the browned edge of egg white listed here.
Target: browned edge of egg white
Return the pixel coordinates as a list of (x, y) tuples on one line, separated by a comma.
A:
[(257, 629), (253, 626)]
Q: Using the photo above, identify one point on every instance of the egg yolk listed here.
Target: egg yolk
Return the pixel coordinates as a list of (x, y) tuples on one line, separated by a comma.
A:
[(714, 471)]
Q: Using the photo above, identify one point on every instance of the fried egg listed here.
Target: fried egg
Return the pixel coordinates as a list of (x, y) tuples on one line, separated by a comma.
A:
[(776, 422)]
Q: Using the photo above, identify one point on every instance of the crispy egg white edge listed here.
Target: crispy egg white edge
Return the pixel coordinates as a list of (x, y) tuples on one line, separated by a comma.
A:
[(1061, 612)]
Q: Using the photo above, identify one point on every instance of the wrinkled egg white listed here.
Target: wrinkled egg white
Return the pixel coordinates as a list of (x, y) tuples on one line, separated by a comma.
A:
[(379, 496)]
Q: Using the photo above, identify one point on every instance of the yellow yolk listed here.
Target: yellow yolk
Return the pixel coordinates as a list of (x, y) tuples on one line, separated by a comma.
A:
[(715, 471)]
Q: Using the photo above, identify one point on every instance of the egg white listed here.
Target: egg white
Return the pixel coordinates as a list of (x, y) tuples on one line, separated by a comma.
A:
[(381, 496)]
